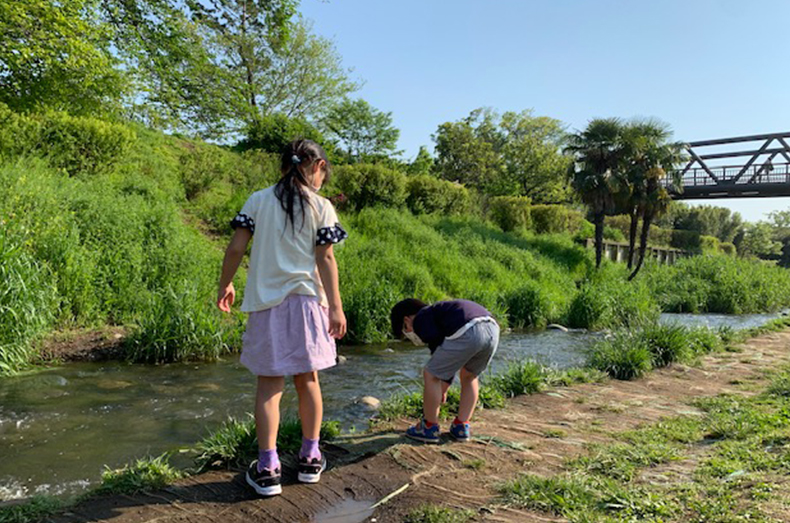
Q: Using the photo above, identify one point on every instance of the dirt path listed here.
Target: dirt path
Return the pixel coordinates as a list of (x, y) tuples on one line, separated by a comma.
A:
[(533, 434)]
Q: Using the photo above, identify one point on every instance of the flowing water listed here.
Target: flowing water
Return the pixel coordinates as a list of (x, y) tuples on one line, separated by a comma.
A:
[(60, 427)]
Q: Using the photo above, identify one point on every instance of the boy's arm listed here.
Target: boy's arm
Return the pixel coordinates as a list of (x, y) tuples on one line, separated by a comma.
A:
[(233, 256), (327, 269)]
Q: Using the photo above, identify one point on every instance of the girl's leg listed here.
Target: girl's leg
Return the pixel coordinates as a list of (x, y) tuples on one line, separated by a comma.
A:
[(311, 406), (469, 391), (267, 411)]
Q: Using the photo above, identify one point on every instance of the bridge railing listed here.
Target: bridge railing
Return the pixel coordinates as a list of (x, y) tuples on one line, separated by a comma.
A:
[(727, 174)]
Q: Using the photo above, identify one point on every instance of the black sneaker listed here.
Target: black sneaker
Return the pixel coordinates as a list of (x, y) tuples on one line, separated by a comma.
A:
[(265, 483), (310, 470)]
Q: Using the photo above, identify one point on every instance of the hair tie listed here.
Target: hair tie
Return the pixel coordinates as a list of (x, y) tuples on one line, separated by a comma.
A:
[(296, 159)]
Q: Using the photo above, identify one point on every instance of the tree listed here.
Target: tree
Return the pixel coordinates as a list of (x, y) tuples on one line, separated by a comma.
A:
[(423, 163), (514, 154), (272, 133), (534, 164), (467, 151), (706, 220), (219, 66), (57, 55), (363, 132), (757, 240), (652, 159), (597, 154)]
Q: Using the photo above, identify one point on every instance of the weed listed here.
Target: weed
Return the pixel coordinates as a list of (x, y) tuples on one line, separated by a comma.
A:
[(143, 474), (437, 514)]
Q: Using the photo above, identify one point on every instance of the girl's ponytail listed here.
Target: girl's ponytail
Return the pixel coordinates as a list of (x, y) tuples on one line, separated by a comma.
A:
[(298, 156)]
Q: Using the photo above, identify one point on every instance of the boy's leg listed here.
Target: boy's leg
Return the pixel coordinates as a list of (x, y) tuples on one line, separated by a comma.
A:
[(267, 410), (470, 387), (431, 397), (311, 406)]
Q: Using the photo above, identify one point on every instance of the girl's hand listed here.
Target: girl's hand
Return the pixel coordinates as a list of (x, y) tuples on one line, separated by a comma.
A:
[(225, 297), (337, 323)]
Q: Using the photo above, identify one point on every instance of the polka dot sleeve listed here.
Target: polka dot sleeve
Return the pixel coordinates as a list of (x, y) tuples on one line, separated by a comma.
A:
[(243, 221), (244, 218), (334, 234), (329, 229)]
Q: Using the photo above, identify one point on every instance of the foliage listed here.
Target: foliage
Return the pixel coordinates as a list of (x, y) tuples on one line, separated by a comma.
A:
[(57, 55), (437, 514), (143, 474), (362, 131), (514, 154), (75, 144), (624, 356), (427, 194), (511, 213), (368, 185), (756, 239), (234, 443), (718, 284), (35, 509), (705, 220), (549, 219), (272, 133), (423, 163)]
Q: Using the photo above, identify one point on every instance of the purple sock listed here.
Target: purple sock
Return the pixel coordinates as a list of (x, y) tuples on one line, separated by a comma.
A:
[(268, 459), (309, 449)]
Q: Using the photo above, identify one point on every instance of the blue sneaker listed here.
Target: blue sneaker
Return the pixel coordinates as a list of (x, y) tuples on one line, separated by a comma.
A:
[(420, 432), (461, 431)]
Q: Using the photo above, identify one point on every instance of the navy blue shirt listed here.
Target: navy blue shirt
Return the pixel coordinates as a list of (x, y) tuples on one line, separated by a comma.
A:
[(435, 322)]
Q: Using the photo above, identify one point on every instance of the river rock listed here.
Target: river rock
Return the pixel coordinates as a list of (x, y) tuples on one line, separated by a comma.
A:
[(557, 327), (389, 350), (370, 401), (341, 359)]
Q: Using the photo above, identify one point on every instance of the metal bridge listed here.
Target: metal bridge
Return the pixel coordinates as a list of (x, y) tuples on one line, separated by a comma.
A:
[(759, 176)]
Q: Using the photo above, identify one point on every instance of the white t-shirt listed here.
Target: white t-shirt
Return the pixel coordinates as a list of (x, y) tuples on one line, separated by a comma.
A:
[(282, 259)]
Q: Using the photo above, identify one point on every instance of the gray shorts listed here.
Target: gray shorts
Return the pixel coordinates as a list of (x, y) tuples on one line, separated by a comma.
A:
[(472, 350)]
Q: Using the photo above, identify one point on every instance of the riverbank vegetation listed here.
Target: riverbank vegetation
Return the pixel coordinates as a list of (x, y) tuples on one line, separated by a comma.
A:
[(114, 209), (131, 234)]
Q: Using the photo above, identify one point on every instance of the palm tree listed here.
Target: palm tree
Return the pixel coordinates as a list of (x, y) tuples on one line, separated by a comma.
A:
[(597, 153), (652, 168)]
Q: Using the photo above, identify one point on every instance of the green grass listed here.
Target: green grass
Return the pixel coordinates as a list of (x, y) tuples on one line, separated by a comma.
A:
[(235, 444), (526, 377), (437, 514), (143, 474), (734, 454), (36, 509), (136, 240)]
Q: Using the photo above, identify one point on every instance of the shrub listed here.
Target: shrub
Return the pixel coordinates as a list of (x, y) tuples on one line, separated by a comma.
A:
[(427, 194), (368, 185), (686, 240), (624, 356), (510, 213), (81, 144), (548, 219), (709, 244), (728, 248), (235, 443), (667, 343), (143, 474), (274, 132)]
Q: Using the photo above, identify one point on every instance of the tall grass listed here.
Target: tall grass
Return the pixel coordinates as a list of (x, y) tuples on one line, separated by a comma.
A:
[(234, 443)]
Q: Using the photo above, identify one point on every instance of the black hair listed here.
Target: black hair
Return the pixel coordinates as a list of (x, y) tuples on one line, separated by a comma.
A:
[(407, 307), (296, 157)]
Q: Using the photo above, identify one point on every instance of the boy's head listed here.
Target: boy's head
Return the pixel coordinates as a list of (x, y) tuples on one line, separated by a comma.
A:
[(404, 311)]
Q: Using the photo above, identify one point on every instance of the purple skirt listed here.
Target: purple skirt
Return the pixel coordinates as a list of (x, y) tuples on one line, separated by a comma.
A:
[(288, 339)]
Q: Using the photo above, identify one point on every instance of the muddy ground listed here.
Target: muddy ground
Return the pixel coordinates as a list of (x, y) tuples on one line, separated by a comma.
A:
[(533, 434)]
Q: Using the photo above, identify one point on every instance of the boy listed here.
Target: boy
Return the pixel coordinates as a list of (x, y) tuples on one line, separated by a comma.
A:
[(462, 335)]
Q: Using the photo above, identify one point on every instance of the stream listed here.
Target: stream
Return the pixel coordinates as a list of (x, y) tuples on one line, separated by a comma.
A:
[(59, 427)]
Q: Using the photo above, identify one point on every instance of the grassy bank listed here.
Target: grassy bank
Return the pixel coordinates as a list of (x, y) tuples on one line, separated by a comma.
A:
[(107, 224), (736, 477)]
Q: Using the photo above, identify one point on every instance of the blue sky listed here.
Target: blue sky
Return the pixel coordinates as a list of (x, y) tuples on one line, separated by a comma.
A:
[(710, 68)]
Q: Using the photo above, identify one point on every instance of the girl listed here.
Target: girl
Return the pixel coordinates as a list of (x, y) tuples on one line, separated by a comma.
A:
[(293, 300)]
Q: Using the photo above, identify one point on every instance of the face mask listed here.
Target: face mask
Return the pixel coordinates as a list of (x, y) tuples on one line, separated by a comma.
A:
[(414, 338)]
